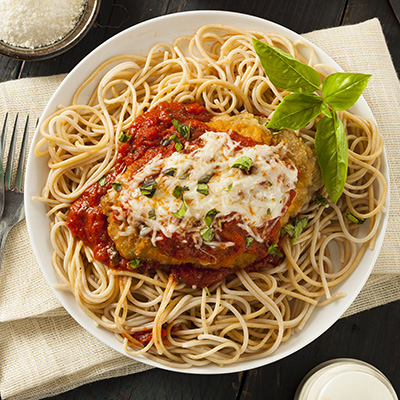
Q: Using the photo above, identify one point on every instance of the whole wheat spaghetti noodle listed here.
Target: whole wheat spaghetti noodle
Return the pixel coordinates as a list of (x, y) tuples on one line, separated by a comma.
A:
[(249, 314)]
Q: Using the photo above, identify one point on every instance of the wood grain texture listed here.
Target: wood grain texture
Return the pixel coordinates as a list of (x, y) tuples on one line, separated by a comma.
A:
[(300, 16), (367, 336), (361, 10)]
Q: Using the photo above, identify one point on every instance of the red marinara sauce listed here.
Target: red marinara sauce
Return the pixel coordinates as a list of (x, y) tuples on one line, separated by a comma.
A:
[(147, 137)]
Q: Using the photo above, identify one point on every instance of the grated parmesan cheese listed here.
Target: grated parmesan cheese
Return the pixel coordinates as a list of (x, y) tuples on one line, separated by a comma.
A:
[(258, 197), (37, 23)]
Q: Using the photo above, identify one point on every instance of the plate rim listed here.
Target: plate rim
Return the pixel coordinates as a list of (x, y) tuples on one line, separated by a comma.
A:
[(31, 213)]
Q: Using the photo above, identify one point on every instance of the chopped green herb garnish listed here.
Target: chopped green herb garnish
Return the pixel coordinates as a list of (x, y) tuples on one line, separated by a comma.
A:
[(209, 218), (164, 141), (351, 217), (219, 223), (249, 241), (205, 178), (273, 250), (182, 210), (269, 211), (103, 180), (123, 137), (182, 129), (207, 291), (179, 190), (148, 187), (152, 213), (299, 225), (178, 144), (134, 263), (207, 234), (289, 229), (169, 171), (294, 230), (229, 187), (243, 163), (117, 185), (203, 189), (321, 200), (184, 176)]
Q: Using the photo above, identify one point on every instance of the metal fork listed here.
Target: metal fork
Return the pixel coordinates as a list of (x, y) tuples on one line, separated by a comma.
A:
[(11, 194)]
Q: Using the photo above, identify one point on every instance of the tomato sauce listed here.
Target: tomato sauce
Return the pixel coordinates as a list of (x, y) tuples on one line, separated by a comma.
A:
[(147, 137)]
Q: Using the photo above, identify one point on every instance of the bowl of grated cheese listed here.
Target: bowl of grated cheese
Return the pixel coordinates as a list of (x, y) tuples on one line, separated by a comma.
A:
[(40, 29)]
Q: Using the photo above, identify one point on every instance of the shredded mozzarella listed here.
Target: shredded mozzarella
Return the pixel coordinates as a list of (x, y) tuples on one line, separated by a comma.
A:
[(258, 196), (37, 23)]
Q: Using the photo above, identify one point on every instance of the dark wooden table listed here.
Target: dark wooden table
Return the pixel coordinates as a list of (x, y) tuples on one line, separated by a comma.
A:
[(372, 336)]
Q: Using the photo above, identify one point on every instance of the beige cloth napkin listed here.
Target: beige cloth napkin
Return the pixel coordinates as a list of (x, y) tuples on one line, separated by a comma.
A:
[(43, 351)]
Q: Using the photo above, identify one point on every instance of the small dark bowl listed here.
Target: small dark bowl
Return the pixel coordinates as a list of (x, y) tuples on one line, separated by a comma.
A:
[(82, 27)]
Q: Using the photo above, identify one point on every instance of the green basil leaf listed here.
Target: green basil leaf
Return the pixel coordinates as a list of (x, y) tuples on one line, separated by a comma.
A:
[(249, 241), (169, 171), (321, 200), (331, 149), (123, 137), (351, 217), (325, 110), (207, 234), (117, 186), (178, 144), (341, 89), (273, 250), (289, 229), (295, 111), (182, 129), (209, 218), (182, 210), (299, 225), (284, 71), (243, 163), (103, 181), (179, 190), (203, 189), (184, 176), (229, 188), (152, 213), (205, 178), (148, 187), (134, 263)]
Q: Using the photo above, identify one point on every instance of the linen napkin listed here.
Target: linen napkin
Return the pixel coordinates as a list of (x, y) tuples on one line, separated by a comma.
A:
[(43, 351)]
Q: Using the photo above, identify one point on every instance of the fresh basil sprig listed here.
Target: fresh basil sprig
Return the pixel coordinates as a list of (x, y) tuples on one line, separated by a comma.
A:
[(284, 71), (297, 111), (331, 148), (340, 91)]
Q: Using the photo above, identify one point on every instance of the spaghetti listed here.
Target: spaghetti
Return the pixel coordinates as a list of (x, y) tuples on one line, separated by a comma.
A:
[(249, 314)]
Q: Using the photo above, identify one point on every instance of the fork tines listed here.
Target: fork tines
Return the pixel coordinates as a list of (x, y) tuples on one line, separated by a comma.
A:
[(6, 176)]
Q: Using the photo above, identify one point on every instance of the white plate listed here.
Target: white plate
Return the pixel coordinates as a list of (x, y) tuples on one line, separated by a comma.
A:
[(137, 40)]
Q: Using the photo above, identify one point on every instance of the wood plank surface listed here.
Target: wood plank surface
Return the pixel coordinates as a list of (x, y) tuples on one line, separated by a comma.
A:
[(371, 336)]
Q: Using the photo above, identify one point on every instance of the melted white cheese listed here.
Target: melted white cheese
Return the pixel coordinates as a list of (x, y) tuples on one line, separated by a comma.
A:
[(257, 197)]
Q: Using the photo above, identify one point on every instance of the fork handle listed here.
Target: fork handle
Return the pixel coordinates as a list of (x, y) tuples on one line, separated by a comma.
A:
[(4, 231)]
